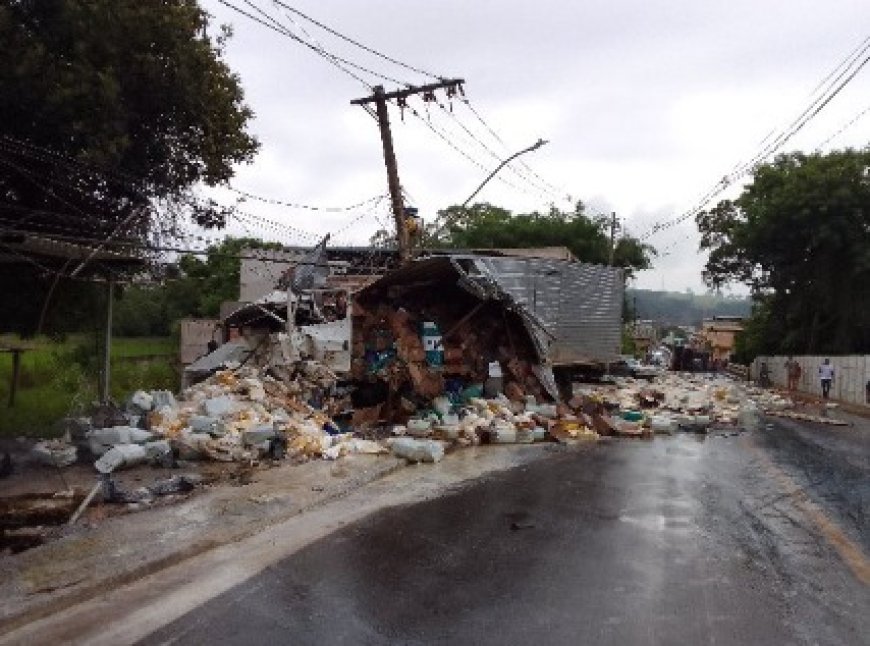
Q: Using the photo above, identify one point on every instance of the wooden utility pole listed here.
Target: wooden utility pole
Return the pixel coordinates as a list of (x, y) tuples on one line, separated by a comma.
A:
[(380, 98)]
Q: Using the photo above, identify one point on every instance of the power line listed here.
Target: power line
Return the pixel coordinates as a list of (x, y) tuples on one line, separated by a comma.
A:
[(450, 143), (61, 239), (323, 51), (307, 207), (845, 76), (845, 127), (537, 187), (467, 102), (281, 29), (796, 126), (357, 43), (339, 62), (854, 54), (130, 181), (187, 200)]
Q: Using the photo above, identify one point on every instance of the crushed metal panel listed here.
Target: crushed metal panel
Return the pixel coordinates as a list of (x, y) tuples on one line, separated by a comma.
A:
[(312, 270), (480, 279), (233, 351), (545, 376), (578, 306), (261, 269)]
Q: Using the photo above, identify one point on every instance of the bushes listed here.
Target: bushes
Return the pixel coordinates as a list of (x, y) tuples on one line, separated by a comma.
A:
[(59, 379)]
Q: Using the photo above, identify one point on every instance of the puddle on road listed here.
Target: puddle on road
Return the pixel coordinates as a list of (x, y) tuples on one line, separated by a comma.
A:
[(659, 522)]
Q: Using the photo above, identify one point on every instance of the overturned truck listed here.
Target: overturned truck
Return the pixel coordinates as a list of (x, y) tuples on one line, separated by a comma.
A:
[(450, 324), (534, 324)]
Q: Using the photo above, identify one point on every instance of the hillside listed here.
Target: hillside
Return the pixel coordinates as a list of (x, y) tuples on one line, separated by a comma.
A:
[(679, 308)]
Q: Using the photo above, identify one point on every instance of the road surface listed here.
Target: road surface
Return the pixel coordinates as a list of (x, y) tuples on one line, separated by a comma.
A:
[(758, 538)]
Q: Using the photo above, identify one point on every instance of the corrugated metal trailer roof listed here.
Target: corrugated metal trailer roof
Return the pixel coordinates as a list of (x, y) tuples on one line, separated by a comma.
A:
[(579, 306)]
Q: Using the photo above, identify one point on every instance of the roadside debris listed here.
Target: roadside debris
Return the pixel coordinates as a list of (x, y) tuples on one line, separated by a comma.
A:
[(418, 450), (54, 453), (806, 417), (178, 484)]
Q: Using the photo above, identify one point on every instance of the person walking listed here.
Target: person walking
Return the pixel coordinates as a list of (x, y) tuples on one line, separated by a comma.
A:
[(826, 375)]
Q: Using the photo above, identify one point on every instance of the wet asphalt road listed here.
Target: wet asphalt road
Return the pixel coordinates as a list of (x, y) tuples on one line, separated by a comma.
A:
[(682, 540)]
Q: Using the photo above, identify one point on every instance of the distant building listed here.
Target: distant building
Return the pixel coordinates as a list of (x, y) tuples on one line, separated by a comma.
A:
[(644, 335), (719, 333)]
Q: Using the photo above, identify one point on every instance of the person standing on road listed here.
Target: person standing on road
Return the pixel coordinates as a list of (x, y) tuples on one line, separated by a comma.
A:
[(826, 374), (793, 371)]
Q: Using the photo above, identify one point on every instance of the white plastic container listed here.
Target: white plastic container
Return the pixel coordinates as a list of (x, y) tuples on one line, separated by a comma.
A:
[(504, 434), (525, 435), (419, 427), (662, 424), (417, 450), (121, 455)]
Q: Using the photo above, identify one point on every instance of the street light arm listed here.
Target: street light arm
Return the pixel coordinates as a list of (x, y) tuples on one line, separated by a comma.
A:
[(534, 146)]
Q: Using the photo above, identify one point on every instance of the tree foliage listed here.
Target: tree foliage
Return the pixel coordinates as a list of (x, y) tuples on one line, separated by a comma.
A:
[(483, 225), (111, 111), (799, 236), (194, 288)]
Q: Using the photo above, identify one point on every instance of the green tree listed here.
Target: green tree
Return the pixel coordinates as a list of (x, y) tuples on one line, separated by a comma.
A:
[(195, 288), (799, 237), (483, 225), (111, 111), (216, 278)]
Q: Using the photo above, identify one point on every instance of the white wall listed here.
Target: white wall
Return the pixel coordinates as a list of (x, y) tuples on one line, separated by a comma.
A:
[(851, 374), (261, 269)]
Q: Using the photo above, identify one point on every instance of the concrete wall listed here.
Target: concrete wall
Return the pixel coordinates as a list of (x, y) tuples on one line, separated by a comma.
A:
[(851, 374), (260, 271), (195, 335)]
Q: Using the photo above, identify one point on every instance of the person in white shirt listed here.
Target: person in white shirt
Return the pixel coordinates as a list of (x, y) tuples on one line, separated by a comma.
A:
[(826, 374)]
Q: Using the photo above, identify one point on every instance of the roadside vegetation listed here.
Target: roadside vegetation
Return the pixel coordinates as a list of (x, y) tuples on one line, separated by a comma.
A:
[(60, 378)]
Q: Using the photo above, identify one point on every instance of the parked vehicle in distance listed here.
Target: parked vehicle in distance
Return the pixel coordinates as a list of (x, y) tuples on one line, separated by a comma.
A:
[(628, 366)]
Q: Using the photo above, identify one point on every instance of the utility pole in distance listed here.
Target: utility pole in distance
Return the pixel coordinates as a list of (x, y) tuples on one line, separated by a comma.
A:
[(613, 226), (380, 98)]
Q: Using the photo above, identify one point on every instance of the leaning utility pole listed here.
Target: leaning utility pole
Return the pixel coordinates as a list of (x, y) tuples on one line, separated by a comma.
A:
[(380, 98)]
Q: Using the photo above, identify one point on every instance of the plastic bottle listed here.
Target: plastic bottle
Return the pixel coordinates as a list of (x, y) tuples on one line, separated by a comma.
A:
[(432, 344)]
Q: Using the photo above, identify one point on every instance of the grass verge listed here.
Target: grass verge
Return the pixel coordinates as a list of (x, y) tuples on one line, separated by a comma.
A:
[(60, 378)]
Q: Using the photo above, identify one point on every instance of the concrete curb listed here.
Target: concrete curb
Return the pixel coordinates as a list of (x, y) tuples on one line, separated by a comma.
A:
[(23, 608)]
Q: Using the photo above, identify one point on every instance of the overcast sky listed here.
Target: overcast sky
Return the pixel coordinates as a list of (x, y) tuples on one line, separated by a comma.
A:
[(646, 105)]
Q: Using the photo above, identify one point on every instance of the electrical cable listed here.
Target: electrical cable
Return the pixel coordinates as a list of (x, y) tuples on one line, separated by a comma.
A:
[(796, 126), (337, 61), (450, 143), (845, 76), (330, 209), (357, 43), (24, 148), (845, 127), (537, 187), (467, 102)]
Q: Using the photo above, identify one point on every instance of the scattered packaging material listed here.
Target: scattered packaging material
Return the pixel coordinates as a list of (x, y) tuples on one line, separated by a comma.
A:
[(103, 439), (121, 455), (55, 453), (415, 450)]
